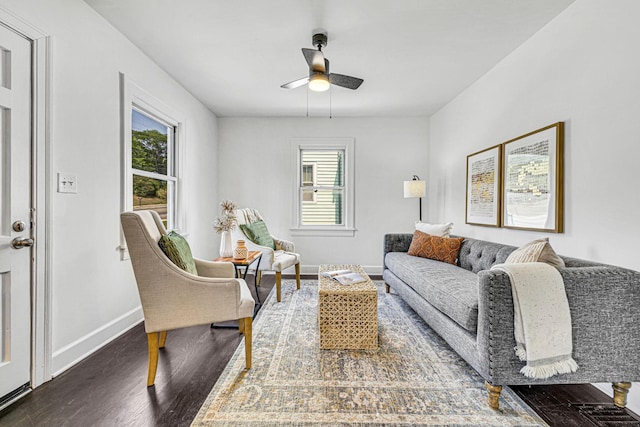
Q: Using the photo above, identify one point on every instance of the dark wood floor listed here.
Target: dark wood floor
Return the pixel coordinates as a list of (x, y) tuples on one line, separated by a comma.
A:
[(108, 388)]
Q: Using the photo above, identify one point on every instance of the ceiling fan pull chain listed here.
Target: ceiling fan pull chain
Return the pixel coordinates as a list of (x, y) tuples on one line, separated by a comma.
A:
[(307, 102)]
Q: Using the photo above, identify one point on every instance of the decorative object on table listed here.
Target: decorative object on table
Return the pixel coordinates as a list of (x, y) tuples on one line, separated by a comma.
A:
[(413, 378), (415, 188), (532, 191), (484, 176), (240, 251), (223, 225)]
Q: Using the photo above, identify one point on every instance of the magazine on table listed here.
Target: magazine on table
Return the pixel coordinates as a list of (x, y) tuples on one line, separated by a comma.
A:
[(344, 277)]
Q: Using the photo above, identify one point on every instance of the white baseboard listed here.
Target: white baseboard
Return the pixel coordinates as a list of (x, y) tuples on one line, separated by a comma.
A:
[(78, 350), (313, 269)]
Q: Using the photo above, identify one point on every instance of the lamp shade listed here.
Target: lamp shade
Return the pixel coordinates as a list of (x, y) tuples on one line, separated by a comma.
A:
[(414, 188)]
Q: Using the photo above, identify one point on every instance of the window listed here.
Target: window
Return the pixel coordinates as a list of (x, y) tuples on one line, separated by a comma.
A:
[(152, 136), (153, 172), (323, 191)]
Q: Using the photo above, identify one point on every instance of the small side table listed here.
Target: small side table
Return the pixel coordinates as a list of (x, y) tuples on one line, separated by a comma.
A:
[(253, 257)]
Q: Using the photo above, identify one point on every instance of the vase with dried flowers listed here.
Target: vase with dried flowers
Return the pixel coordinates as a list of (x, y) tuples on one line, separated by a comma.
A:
[(223, 225)]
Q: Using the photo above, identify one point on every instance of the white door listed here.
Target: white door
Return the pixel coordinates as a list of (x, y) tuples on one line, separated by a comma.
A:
[(15, 214)]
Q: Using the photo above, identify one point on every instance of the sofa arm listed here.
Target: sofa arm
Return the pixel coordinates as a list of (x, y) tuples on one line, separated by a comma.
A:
[(603, 301), (398, 242)]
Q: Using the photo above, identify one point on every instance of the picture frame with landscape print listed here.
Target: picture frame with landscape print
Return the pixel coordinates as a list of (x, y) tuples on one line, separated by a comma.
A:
[(532, 190), (484, 170)]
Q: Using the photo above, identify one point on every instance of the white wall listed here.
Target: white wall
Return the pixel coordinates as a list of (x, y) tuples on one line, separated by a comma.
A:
[(256, 170), (94, 293), (579, 69)]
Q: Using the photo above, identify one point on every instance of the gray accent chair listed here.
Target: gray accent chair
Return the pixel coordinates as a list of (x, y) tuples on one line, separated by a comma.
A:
[(172, 298), (471, 307)]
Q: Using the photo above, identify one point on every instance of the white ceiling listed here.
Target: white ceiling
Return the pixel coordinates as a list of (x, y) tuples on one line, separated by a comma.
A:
[(414, 55)]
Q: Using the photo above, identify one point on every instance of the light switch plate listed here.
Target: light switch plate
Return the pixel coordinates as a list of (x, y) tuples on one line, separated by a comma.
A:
[(67, 183)]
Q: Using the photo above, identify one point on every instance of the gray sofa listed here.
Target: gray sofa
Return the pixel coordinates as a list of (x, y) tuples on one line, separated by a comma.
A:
[(471, 307)]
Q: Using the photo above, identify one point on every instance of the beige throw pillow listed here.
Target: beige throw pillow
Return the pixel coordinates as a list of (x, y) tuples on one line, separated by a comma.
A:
[(538, 250), (440, 230)]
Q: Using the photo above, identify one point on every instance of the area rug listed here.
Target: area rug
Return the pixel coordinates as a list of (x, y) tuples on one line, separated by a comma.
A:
[(413, 379)]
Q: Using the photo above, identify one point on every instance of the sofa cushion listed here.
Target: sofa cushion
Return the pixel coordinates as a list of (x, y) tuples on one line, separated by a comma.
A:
[(434, 247), (449, 288)]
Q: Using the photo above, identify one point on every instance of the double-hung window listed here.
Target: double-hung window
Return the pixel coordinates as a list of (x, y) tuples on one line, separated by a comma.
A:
[(152, 137), (153, 165), (323, 191)]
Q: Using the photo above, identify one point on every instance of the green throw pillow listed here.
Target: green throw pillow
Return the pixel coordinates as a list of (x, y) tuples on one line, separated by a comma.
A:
[(257, 232), (177, 249)]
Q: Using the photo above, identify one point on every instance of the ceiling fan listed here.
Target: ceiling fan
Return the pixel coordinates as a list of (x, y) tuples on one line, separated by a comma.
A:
[(320, 79)]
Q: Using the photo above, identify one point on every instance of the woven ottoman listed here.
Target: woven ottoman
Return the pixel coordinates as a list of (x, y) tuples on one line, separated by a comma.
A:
[(347, 314)]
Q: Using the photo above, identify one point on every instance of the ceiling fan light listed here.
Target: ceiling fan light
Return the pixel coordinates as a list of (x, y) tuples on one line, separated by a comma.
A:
[(318, 82)]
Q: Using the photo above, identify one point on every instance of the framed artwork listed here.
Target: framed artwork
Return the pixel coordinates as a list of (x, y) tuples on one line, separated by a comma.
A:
[(532, 186), (484, 170)]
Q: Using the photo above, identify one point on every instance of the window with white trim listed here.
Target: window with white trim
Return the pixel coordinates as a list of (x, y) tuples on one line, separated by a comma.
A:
[(152, 142), (323, 191), (153, 160)]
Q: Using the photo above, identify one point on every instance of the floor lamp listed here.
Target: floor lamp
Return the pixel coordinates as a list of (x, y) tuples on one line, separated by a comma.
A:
[(415, 188)]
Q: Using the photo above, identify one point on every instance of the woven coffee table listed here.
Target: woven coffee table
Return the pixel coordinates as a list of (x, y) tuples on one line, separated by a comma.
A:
[(347, 314)]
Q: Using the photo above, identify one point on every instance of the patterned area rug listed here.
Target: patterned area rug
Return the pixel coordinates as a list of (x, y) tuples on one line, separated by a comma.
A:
[(413, 379)]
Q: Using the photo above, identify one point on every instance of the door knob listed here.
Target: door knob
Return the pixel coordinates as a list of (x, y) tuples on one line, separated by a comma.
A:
[(21, 242)]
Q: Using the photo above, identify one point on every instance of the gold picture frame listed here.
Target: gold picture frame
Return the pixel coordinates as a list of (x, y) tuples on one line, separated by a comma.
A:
[(532, 180), (484, 178)]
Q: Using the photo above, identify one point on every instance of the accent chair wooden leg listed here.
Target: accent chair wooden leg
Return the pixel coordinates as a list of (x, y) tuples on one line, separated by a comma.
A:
[(259, 279), (241, 325), (298, 275), (163, 339), (620, 391), (278, 285), (494, 395), (248, 321), (152, 339), (387, 288)]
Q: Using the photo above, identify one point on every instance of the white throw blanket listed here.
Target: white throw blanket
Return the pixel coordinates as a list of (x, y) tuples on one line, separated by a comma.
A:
[(542, 321)]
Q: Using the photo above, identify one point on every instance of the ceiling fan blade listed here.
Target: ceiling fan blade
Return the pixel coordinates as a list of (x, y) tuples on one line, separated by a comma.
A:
[(345, 81), (315, 59), (296, 83)]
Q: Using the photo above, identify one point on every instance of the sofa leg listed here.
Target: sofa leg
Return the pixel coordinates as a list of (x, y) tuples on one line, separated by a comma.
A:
[(387, 288), (494, 394), (298, 276), (620, 391)]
